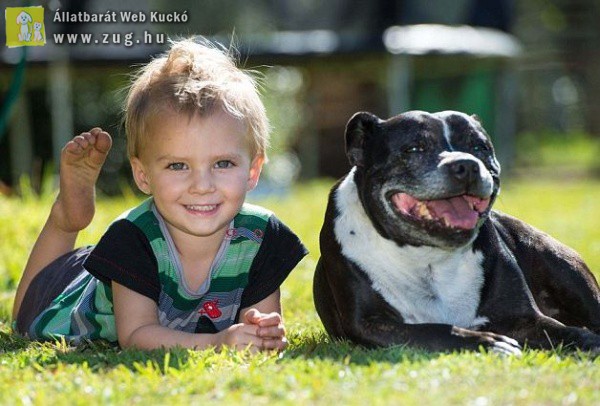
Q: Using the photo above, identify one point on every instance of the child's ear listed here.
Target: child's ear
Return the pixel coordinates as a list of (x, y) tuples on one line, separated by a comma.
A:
[(139, 175), (255, 169)]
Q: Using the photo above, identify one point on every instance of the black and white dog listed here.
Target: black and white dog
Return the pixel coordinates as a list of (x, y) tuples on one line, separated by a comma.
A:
[(411, 252)]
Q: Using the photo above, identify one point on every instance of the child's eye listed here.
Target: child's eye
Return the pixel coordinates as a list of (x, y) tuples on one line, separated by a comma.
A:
[(224, 164), (177, 166)]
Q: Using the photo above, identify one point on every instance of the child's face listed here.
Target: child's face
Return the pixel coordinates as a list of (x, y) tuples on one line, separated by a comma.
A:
[(198, 171)]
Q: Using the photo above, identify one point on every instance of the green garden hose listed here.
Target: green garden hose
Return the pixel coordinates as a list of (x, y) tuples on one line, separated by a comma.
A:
[(13, 92)]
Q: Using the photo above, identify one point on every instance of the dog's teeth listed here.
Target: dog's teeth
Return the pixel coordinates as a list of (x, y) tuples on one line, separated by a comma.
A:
[(423, 211)]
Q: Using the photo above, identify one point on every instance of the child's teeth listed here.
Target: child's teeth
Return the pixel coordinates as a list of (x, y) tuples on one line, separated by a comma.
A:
[(202, 208)]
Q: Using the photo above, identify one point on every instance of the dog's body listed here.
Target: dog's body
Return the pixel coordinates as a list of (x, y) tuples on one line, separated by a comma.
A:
[(411, 252)]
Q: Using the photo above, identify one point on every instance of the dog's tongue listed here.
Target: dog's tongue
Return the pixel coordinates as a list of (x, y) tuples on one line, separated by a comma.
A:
[(456, 211)]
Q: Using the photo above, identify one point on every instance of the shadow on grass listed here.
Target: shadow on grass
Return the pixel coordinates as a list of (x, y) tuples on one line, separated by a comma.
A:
[(320, 346), (96, 355), (101, 356)]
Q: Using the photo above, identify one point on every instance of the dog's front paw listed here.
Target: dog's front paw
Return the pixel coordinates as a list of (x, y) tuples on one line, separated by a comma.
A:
[(493, 342), (506, 348), (500, 344)]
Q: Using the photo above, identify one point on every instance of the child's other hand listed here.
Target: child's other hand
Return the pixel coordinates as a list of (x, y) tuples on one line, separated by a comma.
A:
[(270, 328), (240, 336)]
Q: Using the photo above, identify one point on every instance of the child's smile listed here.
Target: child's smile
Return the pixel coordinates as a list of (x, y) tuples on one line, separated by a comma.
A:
[(198, 169), (202, 210)]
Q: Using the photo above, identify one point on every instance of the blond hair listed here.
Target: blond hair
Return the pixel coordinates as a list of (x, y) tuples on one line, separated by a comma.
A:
[(195, 77)]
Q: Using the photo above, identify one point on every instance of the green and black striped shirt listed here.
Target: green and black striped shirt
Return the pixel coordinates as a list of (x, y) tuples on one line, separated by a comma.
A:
[(255, 257)]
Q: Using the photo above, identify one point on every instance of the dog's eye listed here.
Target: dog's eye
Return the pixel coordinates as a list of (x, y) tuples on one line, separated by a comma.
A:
[(481, 147), (414, 148)]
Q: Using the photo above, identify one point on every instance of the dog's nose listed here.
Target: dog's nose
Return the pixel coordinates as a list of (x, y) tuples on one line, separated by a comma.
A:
[(464, 169)]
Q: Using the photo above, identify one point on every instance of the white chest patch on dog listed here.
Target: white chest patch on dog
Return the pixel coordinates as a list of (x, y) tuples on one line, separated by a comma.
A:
[(425, 284)]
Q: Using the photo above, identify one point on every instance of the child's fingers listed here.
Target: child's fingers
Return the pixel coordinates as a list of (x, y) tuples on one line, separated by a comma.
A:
[(246, 336), (243, 335), (270, 319), (277, 331), (275, 344), (252, 316)]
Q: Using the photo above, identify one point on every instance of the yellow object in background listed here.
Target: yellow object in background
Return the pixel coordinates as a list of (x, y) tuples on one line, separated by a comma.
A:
[(25, 26)]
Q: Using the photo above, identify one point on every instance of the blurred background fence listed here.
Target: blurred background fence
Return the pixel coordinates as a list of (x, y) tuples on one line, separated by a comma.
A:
[(525, 67)]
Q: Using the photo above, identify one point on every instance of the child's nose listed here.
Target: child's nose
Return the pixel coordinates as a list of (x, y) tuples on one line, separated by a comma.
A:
[(202, 182)]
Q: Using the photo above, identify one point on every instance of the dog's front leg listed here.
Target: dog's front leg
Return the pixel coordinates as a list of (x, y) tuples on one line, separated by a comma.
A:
[(351, 309), (435, 337), (383, 326)]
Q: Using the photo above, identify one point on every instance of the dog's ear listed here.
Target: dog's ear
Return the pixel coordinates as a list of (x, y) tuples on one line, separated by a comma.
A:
[(358, 129)]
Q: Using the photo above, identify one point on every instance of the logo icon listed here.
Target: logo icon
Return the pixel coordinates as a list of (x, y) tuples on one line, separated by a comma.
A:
[(25, 26), (211, 308)]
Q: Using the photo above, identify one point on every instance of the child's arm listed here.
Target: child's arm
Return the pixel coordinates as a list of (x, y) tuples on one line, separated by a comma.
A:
[(137, 325)]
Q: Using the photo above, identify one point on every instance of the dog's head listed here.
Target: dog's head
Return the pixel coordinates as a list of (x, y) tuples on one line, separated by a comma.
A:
[(424, 179), (23, 18)]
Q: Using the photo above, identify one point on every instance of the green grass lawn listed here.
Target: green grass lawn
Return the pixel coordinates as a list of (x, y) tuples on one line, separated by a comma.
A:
[(313, 369)]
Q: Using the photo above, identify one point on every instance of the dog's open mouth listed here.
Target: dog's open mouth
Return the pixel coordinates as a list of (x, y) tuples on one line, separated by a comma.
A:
[(459, 212)]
